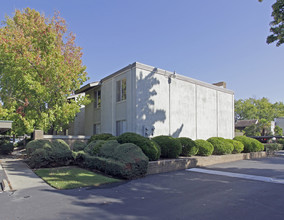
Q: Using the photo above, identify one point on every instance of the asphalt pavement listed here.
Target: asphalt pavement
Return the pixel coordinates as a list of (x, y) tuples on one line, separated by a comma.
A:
[(174, 195)]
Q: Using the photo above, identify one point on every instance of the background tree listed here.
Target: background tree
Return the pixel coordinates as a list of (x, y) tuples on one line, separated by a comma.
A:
[(40, 65), (251, 108), (277, 25)]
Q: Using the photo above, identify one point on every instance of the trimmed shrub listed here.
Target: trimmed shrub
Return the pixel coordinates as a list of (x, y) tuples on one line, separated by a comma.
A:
[(205, 148), (93, 148), (37, 144), (238, 146), (60, 153), (6, 147), (104, 136), (78, 146), (189, 147), (43, 153), (150, 149), (121, 160), (221, 146), (170, 147), (250, 144)]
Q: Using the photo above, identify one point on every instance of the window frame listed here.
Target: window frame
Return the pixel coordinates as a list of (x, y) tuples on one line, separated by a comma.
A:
[(97, 98), (121, 90)]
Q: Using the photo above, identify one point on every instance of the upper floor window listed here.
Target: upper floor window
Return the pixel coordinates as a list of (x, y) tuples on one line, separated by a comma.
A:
[(121, 90), (97, 102)]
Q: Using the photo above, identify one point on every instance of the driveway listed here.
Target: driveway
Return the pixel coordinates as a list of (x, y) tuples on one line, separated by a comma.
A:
[(175, 195)]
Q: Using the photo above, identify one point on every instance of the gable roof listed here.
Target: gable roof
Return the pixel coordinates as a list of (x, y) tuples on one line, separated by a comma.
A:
[(245, 123)]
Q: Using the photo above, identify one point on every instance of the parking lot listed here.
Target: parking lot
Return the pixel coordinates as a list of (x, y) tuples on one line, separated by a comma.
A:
[(175, 195)]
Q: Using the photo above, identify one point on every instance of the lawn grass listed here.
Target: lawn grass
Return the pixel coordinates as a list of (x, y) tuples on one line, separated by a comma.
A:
[(72, 177)]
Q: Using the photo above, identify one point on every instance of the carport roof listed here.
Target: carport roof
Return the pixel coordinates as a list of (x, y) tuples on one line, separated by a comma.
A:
[(5, 126)]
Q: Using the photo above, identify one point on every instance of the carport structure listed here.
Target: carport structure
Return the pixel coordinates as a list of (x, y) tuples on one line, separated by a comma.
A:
[(5, 126)]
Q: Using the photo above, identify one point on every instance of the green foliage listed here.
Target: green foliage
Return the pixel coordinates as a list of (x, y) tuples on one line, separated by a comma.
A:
[(121, 160), (189, 147), (250, 144), (149, 148), (277, 24), (93, 148), (104, 136), (278, 131), (43, 153), (6, 147), (170, 147), (262, 128), (251, 108), (40, 66), (238, 146), (221, 146), (273, 147), (280, 141), (78, 146), (37, 144), (205, 148)]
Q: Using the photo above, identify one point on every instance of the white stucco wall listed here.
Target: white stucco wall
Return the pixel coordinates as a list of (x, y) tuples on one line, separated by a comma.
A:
[(183, 108)]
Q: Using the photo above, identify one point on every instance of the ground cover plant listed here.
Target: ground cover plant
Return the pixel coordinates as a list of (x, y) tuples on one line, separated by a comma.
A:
[(72, 177)]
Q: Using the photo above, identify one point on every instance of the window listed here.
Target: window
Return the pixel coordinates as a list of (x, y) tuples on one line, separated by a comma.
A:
[(97, 129), (97, 102), (121, 90), (120, 127)]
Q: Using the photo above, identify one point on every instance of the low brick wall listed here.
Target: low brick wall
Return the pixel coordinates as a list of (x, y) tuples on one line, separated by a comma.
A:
[(162, 166)]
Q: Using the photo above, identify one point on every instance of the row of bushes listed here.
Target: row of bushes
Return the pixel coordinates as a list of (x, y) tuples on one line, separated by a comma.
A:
[(169, 147), (108, 156)]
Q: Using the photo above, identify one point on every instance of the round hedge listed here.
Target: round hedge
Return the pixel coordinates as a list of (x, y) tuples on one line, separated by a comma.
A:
[(6, 147), (44, 153), (205, 148), (37, 144), (250, 144), (238, 146), (149, 148), (103, 136), (189, 147), (170, 147), (93, 148), (221, 146), (78, 146)]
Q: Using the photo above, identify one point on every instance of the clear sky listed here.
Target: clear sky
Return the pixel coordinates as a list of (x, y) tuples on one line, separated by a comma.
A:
[(207, 40)]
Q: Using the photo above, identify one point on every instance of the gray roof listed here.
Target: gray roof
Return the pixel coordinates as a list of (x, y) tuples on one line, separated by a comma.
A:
[(245, 123)]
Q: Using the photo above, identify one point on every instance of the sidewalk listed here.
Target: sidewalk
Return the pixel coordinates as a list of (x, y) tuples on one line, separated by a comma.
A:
[(19, 175)]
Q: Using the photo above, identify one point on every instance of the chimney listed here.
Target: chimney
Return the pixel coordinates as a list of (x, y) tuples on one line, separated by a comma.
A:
[(220, 84)]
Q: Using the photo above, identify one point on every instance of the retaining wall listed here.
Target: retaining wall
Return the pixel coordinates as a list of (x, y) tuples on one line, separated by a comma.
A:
[(162, 166)]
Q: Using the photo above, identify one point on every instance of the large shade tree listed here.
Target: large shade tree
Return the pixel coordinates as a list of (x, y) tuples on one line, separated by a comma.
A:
[(40, 66)]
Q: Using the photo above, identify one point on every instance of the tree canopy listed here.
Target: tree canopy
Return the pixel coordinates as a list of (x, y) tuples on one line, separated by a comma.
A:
[(251, 108), (261, 109), (277, 25), (40, 66)]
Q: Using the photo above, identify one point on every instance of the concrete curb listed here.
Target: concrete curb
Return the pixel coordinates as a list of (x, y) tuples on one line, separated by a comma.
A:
[(168, 165)]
